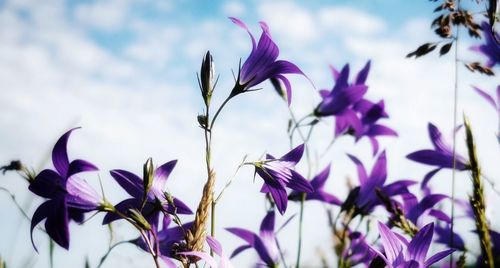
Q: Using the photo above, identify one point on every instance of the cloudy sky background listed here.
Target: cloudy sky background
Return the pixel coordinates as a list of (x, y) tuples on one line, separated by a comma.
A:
[(125, 72)]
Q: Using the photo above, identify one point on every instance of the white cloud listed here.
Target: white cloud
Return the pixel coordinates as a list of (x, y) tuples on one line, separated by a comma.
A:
[(348, 20), (233, 8), (105, 15), (289, 21)]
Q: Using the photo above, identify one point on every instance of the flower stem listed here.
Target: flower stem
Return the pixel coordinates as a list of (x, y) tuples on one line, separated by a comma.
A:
[(455, 104), (301, 220)]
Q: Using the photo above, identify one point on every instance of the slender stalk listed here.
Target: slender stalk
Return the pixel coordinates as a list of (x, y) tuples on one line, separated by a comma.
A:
[(301, 217), (453, 174)]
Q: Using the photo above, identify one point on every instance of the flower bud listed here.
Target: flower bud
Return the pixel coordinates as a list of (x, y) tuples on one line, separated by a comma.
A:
[(206, 78), (138, 218), (148, 175)]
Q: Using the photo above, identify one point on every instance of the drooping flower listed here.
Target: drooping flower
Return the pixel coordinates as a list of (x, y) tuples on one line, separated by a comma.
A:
[(491, 49), (318, 183), (264, 243), (69, 196), (155, 198), (216, 247), (441, 156), (262, 63), (364, 197), (278, 174), (398, 252)]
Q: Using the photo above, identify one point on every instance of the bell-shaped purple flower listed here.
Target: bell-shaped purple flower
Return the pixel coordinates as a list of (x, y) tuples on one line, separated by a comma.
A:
[(318, 184), (415, 210), (398, 252), (264, 243), (343, 96), (156, 201), (68, 195), (441, 156), (364, 197), (278, 174), (491, 49), (359, 251), (262, 63)]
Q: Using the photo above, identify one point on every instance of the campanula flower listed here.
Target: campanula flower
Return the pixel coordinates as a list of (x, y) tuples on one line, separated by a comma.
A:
[(262, 63), (364, 197), (343, 96), (491, 49), (278, 174), (68, 195), (398, 252), (264, 243), (318, 183), (441, 156), (358, 251), (415, 210), (154, 197)]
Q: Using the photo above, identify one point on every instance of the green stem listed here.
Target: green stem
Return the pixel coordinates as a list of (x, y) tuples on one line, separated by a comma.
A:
[(301, 221)]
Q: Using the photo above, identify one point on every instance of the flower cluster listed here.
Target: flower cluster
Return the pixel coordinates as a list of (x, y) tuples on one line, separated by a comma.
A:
[(410, 220)]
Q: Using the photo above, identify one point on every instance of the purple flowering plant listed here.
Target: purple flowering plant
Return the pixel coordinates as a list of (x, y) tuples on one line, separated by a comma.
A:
[(411, 222)]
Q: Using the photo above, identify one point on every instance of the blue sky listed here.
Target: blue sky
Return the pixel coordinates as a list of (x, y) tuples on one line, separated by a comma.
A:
[(125, 72)]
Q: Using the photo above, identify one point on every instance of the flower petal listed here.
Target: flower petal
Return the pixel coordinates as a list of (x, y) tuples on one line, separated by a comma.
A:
[(244, 26), (129, 182), (81, 195), (420, 244), (48, 184), (78, 165), (390, 242), (437, 257), (299, 183), (363, 74), (56, 224), (487, 97), (41, 213), (294, 155), (318, 182), (361, 169), (60, 154), (161, 175)]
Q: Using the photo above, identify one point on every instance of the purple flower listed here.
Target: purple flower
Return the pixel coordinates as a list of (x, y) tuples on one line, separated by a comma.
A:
[(398, 252), (155, 197), (441, 156), (364, 197), (415, 210), (353, 114), (217, 249), (369, 126), (358, 252), (278, 174), (491, 49), (68, 196), (443, 232), (262, 63), (264, 242), (340, 99), (169, 240), (318, 183)]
